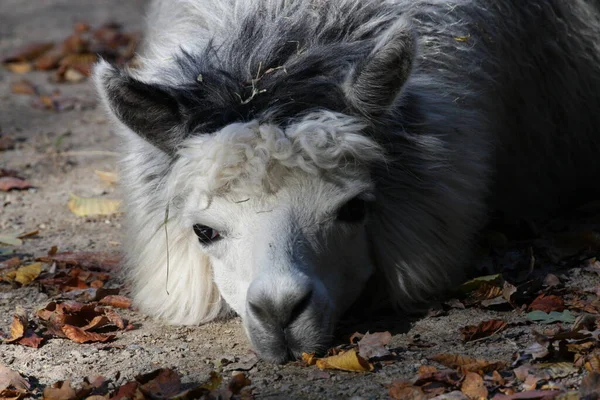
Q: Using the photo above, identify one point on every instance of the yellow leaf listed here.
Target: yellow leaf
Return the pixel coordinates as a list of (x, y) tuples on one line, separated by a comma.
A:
[(347, 361), (83, 207), (310, 359), (108, 177), (27, 273)]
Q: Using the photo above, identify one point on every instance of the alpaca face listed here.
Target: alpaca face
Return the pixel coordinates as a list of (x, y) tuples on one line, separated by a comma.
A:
[(288, 263), (281, 215)]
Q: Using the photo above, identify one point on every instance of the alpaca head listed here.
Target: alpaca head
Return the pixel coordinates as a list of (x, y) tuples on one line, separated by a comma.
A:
[(268, 187), (281, 215)]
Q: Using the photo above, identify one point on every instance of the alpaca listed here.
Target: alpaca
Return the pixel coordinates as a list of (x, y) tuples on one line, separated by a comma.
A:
[(280, 154)]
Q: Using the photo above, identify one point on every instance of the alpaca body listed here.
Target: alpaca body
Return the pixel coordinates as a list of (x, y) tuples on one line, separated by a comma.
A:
[(303, 147)]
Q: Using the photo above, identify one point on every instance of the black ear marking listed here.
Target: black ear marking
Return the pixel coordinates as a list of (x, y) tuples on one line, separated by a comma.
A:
[(148, 109), (376, 82)]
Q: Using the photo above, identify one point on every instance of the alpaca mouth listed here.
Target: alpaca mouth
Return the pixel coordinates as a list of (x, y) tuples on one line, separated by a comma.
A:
[(308, 334)]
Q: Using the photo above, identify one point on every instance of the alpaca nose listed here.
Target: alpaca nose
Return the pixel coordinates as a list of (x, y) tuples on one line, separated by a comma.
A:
[(278, 304)]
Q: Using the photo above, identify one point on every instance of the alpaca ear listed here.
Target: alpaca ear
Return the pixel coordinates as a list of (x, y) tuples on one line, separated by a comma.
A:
[(147, 109), (376, 82)]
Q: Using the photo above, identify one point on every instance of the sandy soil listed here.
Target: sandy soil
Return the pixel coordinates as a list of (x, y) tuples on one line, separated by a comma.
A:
[(59, 152)]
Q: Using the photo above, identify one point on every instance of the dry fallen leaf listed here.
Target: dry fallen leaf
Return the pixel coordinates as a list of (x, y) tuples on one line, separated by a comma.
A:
[(60, 391), (76, 321), (482, 330), (590, 385), (11, 263), (23, 87), (84, 207), (11, 240), (404, 390), (28, 273), (163, 383), (346, 361), (237, 383), (116, 301), (108, 177), (28, 52), (467, 363), (309, 359), (19, 333), (10, 378), (373, 345), (13, 183), (78, 335), (548, 303), (474, 387), (93, 260), (130, 390), (19, 67), (18, 326)]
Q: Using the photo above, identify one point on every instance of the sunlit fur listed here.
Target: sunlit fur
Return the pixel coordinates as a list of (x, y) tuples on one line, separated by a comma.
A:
[(437, 111)]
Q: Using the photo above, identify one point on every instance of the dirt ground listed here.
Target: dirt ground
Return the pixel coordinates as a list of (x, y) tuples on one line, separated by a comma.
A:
[(58, 153)]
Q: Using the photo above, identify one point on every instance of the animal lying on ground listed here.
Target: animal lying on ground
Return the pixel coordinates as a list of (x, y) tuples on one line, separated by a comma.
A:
[(279, 154)]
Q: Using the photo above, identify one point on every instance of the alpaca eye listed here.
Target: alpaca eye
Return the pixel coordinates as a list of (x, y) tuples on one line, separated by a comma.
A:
[(206, 234), (353, 211)]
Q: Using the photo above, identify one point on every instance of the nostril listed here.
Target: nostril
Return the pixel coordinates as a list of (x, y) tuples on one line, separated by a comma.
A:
[(300, 307)]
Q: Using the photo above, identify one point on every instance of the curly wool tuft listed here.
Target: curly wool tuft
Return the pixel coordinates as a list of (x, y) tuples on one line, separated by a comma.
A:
[(254, 158)]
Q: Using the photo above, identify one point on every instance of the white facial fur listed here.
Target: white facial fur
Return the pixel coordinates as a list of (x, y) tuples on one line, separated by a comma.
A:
[(274, 195)]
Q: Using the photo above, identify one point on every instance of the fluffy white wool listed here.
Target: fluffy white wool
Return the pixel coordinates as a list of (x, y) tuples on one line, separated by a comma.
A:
[(254, 158)]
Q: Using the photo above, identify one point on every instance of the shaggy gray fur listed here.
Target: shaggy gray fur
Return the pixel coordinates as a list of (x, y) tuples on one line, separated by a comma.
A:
[(479, 105)]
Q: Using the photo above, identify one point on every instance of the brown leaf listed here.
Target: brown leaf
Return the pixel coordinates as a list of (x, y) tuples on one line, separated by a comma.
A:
[(590, 385), (10, 263), (11, 394), (29, 234), (60, 391), (12, 183), (98, 322), (373, 345), (403, 390), (50, 60), (427, 369), (12, 379), (29, 52), (23, 87), (486, 291), (474, 387), (346, 361), (164, 384), (238, 382), (548, 303), (530, 395), (129, 391), (116, 301), (468, 363), (482, 330), (115, 318), (31, 340), (78, 335), (93, 260)]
